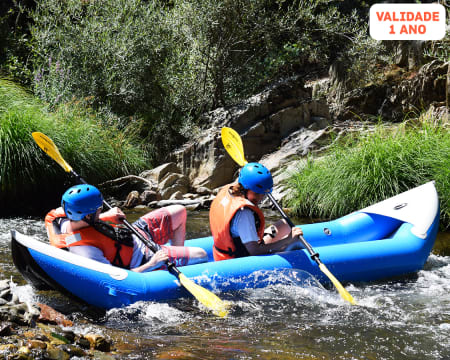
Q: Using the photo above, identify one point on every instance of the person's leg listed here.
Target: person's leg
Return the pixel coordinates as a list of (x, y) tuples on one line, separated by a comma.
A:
[(178, 216), (185, 255), (164, 224)]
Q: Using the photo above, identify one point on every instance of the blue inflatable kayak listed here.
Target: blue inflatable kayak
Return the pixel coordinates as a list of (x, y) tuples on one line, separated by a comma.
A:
[(391, 238)]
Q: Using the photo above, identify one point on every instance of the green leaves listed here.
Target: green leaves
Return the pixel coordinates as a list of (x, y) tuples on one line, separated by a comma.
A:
[(27, 176), (168, 64)]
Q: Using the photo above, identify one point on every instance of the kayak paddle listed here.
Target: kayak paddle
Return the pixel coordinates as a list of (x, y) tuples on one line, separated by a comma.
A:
[(207, 298), (233, 144)]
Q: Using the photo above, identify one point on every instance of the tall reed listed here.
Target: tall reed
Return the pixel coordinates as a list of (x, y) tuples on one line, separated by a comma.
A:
[(27, 174), (378, 166)]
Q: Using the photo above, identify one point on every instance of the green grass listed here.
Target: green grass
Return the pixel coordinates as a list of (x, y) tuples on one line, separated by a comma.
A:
[(27, 174), (376, 167)]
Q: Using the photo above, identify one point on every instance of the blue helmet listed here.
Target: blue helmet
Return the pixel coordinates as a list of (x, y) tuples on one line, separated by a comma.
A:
[(81, 200), (257, 178)]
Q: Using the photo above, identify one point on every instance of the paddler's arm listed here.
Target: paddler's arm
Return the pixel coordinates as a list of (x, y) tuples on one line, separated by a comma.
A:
[(279, 231), (259, 248), (156, 261), (243, 226), (114, 215)]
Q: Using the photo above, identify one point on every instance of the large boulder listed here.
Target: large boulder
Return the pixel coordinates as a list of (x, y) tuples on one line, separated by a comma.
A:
[(158, 173), (173, 184), (120, 188), (402, 93), (427, 86), (264, 121)]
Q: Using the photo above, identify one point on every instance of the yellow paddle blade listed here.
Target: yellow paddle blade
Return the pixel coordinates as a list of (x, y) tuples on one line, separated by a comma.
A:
[(206, 297), (232, 143), (344, 293), (49, 147)]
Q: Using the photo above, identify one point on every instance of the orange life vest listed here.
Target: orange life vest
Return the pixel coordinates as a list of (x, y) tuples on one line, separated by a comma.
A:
[(223, 208), (117, 254)]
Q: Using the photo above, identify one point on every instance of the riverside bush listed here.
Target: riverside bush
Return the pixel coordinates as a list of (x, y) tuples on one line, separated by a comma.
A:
[(113, 52), (378, 166), (169, 62), (28, 176)]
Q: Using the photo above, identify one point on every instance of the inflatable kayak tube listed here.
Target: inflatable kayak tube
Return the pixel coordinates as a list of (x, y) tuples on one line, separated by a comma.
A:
[(391, 238)]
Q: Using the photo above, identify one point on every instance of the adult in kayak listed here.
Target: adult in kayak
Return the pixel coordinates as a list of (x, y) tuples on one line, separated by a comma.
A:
[(80, 226), (238, 224)]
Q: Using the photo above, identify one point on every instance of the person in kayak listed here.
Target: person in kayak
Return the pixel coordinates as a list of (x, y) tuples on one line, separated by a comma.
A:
[(80, 226), (238, 224)]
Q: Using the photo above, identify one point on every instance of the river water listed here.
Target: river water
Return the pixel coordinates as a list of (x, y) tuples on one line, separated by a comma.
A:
[(407, 318)]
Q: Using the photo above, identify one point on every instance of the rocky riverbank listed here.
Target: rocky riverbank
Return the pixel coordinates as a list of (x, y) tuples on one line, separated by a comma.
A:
[(37, 331)]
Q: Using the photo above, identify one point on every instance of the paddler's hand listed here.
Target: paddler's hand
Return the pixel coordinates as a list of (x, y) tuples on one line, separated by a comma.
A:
[(158, 259), (297, 232), (114, 215)]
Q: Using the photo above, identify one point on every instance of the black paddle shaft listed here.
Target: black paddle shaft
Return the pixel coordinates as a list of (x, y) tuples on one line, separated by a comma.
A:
[(314, 255), (149, 243)]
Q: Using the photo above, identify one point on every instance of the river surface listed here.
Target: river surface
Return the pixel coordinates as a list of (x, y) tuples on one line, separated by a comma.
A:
[(407, 318)]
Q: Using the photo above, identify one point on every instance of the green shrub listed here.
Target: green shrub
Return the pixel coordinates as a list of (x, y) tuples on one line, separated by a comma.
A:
[(14, 40), (225, 51), (379, 166), (168, 62), (108, 50), (28, 176), (439, 49), (112, 52)]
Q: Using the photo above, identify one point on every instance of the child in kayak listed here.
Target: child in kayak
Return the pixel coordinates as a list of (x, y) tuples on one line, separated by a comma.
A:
[(80, 226), (237, 223)]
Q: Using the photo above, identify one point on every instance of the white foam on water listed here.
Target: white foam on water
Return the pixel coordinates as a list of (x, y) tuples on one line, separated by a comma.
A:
[(153, 315), (25, 293)]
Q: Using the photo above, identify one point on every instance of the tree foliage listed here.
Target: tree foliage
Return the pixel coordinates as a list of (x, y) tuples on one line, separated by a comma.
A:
[(169, 62), (164, 63), (14, 39)]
